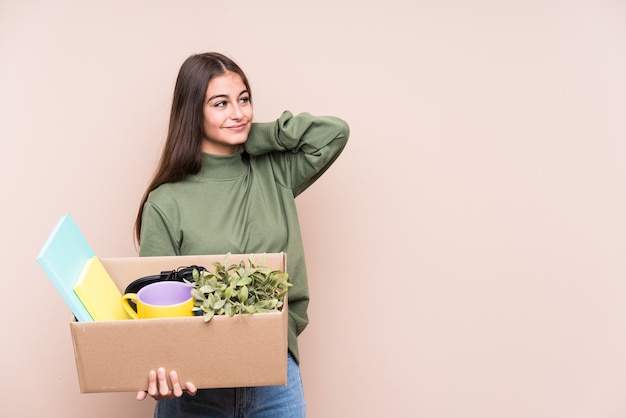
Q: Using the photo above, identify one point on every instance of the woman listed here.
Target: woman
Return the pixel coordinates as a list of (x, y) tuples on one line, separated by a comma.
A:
[(225, 184)]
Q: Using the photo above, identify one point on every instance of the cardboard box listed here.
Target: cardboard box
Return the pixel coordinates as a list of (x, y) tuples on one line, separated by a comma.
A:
[(237, 351)]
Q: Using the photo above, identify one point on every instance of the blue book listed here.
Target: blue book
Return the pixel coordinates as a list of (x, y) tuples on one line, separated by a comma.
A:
[(62, 257)]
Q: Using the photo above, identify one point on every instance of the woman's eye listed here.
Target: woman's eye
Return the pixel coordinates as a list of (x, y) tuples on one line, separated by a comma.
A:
[(244, 100), (220, 104)]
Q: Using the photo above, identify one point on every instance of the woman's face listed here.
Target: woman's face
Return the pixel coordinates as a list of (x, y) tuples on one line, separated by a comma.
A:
[(227, 114)]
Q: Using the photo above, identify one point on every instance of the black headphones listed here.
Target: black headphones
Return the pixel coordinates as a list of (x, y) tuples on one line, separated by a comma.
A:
[(179, 275)]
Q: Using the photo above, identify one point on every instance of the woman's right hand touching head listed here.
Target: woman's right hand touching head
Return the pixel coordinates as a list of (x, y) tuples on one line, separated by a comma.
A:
[(158, 387)]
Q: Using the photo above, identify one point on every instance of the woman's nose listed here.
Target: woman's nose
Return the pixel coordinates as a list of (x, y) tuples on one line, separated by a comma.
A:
[(236, 112)]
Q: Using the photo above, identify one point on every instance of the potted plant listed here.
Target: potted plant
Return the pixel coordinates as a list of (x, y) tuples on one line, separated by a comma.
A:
[(243, 288)]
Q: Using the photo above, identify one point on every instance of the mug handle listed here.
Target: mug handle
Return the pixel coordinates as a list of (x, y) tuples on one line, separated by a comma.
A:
[(129, 310)]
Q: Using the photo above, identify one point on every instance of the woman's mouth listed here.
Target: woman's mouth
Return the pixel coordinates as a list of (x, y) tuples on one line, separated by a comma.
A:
[(237, 128)]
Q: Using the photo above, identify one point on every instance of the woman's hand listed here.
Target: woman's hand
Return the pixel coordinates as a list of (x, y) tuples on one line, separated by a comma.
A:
[(159, 389)]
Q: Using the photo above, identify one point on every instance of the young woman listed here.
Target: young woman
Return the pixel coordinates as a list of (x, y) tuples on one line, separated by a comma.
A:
[(226, 184)]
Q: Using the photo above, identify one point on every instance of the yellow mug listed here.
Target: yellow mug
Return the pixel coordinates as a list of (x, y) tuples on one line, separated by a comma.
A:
[(160, 300)]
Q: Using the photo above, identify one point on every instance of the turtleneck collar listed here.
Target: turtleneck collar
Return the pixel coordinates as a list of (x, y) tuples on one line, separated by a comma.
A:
[(222, 167)]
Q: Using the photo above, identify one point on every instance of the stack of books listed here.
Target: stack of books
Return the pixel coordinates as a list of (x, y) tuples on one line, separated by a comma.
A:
[(78, 274)]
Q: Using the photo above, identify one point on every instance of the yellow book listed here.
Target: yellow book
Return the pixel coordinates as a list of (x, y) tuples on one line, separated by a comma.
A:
[(98, 292)]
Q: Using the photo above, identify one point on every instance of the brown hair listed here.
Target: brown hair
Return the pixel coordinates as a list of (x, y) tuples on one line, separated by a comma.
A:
[(181, 154)]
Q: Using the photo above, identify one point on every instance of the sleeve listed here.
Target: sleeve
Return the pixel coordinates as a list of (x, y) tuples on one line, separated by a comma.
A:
[(301, 147), (157, 235)]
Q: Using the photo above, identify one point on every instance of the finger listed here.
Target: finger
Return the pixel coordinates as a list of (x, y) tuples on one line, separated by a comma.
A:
[(164, 389), (141, 395), (176, 389), (191, 388), (152, 384)]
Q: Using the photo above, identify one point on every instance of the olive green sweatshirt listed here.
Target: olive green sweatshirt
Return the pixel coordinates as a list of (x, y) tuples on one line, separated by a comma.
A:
[(245, 203)]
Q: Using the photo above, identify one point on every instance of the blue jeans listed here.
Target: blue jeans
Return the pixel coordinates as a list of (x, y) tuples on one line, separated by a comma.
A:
[(250, 402)]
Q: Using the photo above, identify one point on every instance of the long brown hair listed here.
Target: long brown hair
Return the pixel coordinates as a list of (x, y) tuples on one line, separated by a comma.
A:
[(181, 154)]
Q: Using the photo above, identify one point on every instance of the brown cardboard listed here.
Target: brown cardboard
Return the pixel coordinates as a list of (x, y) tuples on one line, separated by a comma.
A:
[(237, 351)]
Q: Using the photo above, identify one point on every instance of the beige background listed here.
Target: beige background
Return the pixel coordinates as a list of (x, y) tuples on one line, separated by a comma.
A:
[(466, 252)]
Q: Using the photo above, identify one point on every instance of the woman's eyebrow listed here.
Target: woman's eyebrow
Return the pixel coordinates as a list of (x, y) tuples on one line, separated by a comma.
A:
[(216, 96), (224, 95)]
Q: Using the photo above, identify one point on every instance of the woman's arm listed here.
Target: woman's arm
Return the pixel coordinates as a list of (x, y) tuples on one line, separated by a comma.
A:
[(157, 235), (303, 146)]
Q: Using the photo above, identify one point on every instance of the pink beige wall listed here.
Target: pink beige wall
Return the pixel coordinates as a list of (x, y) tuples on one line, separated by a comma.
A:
[(466, 253)]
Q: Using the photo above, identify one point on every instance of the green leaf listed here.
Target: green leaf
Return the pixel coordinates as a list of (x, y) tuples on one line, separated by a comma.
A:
[(243, 294), (244, 281), (208, 316), (206, 289)]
